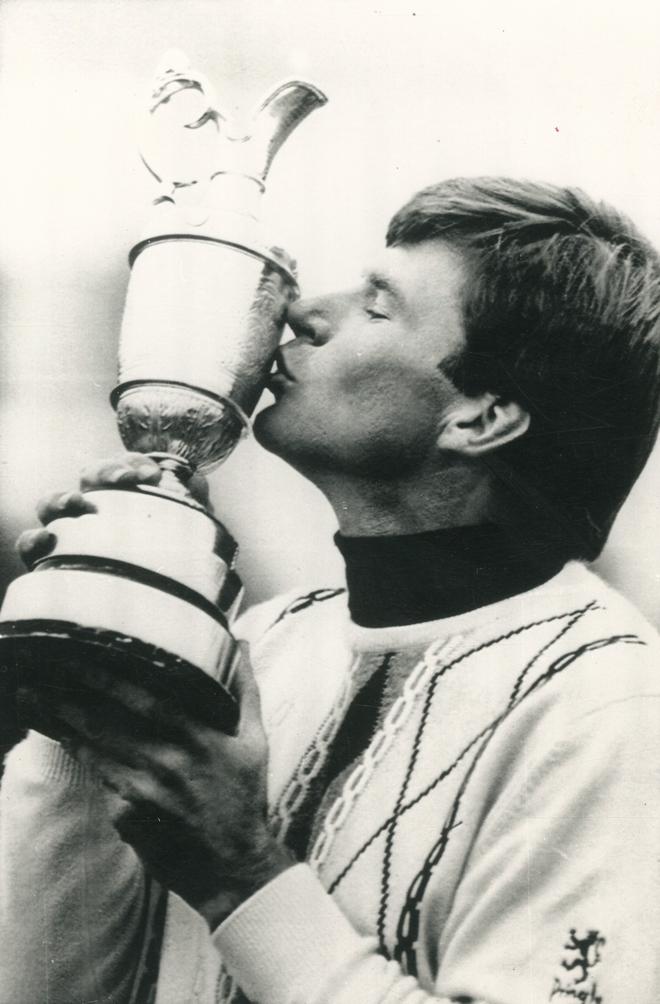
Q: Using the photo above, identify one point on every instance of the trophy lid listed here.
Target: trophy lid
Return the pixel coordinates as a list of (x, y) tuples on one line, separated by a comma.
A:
[(211, 168)]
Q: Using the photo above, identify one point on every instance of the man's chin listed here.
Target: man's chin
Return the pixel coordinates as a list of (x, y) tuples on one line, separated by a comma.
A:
[(267, 428), (279, 434)]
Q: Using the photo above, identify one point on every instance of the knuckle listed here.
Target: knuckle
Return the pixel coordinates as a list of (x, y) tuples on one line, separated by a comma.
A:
[(71, 503), (132, 789), (123, 815), (25, 541), (50, 506), (96, 474), (171, 764), (34, 544), (134, 459), (124, 468)]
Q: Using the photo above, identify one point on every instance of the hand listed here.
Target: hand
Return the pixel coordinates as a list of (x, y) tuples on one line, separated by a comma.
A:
[(127, 470), (190, 800)]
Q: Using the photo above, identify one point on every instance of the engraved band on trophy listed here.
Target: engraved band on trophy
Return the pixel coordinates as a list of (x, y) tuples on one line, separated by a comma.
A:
[(147, 580)]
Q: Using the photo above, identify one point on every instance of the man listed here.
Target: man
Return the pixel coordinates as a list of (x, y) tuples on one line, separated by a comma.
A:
[(455, 792)]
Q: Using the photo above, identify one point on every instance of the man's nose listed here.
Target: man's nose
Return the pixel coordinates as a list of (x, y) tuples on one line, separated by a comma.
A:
[(315, 319)]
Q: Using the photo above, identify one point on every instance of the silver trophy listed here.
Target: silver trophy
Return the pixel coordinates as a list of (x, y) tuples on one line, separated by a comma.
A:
[(146, 583)]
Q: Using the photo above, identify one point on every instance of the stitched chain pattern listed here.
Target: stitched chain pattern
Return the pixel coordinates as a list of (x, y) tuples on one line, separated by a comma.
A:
[(227, 992), (283, 812), (405, 950), (303, 602), (312, 760), (466, 654), (575, 616), (395, 720)]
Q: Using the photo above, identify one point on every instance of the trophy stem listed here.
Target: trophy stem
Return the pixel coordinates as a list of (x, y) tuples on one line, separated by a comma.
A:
[(176, 473)]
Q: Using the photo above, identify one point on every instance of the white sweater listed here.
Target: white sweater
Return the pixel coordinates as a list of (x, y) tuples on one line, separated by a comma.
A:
[(498, 841)]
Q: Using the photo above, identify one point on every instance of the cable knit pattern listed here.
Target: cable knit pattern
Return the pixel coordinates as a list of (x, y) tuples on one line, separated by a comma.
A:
[(501, 825)]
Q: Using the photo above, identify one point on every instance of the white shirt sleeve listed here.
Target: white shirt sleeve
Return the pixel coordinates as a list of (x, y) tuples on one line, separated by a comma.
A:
[(72, 895)]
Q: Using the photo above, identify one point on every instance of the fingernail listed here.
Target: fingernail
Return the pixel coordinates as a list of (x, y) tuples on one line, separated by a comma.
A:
[(71, 499), (119, 474)]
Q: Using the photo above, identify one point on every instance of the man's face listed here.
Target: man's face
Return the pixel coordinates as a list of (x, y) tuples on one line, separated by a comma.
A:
[(359, 390)]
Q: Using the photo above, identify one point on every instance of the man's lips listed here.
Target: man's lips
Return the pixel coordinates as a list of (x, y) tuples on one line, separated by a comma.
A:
[(281, 374)]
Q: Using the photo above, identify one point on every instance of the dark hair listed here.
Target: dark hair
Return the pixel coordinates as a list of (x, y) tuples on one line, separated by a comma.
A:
[(562, 308)]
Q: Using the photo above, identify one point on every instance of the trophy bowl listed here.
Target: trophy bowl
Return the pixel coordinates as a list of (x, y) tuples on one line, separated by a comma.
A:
[(190, 397), (146, 584)]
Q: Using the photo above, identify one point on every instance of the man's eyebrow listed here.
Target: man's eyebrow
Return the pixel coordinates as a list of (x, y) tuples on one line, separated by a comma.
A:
[(376, 280)]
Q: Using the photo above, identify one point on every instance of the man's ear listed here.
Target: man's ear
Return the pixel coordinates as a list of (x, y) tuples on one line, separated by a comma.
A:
[(476, 425)]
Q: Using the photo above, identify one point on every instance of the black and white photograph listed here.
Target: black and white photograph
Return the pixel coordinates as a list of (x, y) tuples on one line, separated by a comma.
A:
[(329, 523)]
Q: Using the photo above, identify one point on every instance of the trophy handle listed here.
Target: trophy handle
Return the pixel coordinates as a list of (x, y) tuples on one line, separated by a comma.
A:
[(276, 118)]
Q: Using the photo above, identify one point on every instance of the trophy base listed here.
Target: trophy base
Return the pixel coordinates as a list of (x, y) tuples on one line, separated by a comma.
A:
[(109, 597), (141, 585), (48, 652)]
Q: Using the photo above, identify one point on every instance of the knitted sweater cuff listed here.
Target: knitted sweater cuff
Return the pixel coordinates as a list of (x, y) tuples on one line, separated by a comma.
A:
[(291, 934), (50, 762)]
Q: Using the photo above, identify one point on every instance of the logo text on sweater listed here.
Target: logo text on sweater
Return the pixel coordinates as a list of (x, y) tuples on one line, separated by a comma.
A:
[(582, 958)]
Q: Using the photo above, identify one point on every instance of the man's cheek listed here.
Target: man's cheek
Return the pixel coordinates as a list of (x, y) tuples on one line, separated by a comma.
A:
[(366, 374), (394, 389)]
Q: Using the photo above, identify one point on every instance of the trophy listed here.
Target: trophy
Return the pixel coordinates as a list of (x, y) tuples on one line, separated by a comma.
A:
[(146, 584)]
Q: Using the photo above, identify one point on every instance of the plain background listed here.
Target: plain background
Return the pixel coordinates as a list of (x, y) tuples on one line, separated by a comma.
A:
[(563, 91)]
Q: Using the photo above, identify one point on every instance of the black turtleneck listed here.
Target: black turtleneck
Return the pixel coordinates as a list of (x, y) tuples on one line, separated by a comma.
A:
[(440, 573)]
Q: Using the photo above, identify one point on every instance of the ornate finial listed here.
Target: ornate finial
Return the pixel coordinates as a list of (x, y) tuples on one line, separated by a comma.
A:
[(181, 129), (186, 141)]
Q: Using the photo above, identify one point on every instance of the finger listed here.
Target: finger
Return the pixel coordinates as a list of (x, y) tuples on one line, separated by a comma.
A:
[(104, 691), (126, 786), (114, 776), (108, 735), (114, 723), (116, 714), (63, 504), (157, 702), (120, 811), (32, 545), (116, 806), (125, 470), (34, 713), (137, 805)]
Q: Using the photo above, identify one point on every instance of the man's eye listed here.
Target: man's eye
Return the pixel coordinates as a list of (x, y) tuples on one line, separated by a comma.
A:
[(376, 315)]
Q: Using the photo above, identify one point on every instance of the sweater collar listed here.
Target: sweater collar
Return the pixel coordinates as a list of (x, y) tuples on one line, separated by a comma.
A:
[(400, 580)]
